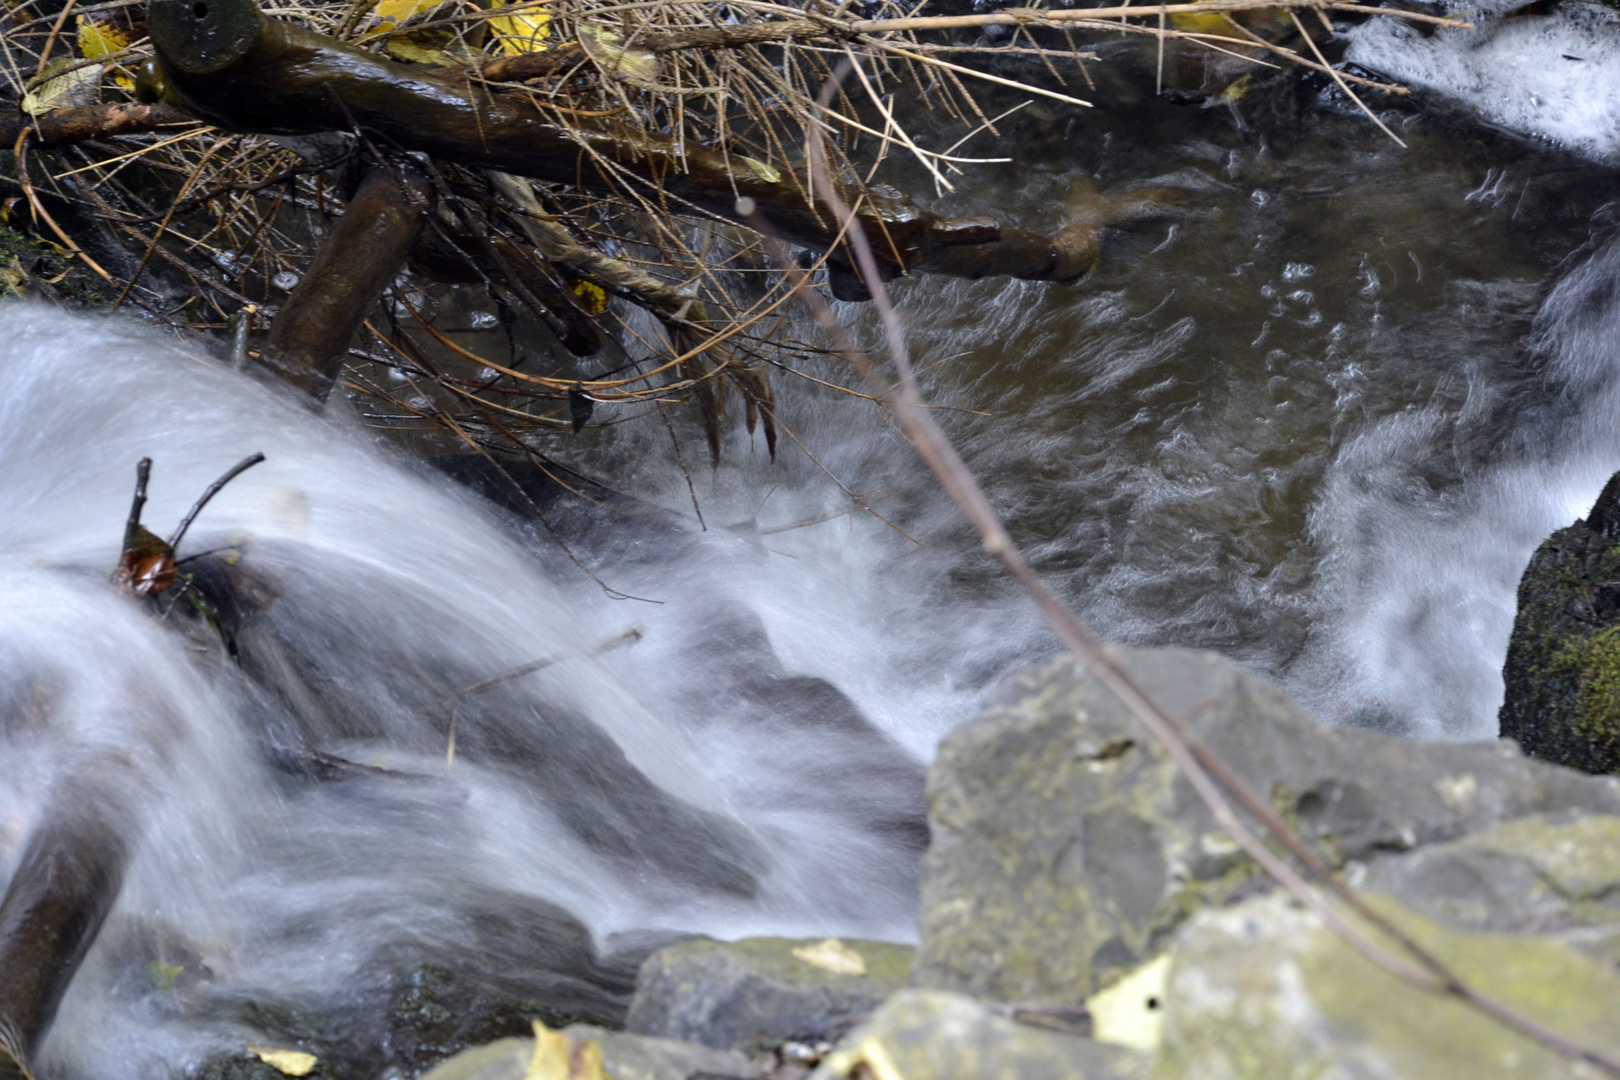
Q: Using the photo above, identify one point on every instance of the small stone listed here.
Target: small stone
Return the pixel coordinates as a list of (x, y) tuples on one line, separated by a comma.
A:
[(758, 994)]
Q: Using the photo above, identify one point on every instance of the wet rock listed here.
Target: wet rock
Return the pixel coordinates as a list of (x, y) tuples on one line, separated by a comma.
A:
[(1562, 674), (1547, 874), (244, 1066), (1262, 989), (1066, 849), (504, 1059), (934, 1035), (756, 994), (624, 1057)]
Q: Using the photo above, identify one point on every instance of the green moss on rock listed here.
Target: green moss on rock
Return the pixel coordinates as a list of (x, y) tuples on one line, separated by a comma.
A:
[(29, 265), (1264, 991), (1563, 665)]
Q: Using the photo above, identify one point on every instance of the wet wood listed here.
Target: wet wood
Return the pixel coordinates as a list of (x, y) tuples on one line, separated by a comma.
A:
[(233, 67), (362, 254), (68, 877), (532, 65), (91, 122)]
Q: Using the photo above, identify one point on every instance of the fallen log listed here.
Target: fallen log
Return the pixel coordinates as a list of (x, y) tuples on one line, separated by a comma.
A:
[(68, 877), (230, 65), (363, 253)]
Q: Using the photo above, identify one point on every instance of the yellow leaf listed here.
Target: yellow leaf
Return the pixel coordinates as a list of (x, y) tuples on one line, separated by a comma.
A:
[(1131, 1012), (869, 1055), (834, 956), (631, 65), (592, 297), (12, 278), (100, 39), (71, 89), (417, 52), (430, 46), (557, 1057), (1235, 91), (1202, 23), (287, 1062), (522, 31), (392, 13)]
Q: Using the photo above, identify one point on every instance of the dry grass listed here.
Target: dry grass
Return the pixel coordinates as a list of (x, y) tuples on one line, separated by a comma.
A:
[(225, 222)]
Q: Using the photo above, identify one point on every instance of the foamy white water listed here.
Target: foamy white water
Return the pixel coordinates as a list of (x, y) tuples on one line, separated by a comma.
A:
[(380, 592), (1554, 77)]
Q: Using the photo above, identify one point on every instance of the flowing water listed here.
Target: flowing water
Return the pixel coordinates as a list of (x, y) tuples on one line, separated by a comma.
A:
[(1316, 420)]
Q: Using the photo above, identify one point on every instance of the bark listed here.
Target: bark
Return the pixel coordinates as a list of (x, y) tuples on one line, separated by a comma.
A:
[(90, 122), (67, 880), (360, 256), (235, 68)]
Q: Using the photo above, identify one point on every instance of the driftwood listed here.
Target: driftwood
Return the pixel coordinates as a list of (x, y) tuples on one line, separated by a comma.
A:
[(362, 254), (231, 66), (66, 882)]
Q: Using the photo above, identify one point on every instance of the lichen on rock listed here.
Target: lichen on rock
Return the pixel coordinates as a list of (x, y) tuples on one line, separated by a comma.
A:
[(1265, 991)]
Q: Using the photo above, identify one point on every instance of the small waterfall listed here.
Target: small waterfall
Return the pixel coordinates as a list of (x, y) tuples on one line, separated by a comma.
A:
[(296, 836)]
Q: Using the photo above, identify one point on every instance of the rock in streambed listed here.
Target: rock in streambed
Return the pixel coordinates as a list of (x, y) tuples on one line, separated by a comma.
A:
[(1083, 919), (1562, 676)]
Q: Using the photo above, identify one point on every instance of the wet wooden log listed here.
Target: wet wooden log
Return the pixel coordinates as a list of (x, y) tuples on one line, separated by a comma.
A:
[(359, 257), (230, 65), (91, 122), (68, 877)]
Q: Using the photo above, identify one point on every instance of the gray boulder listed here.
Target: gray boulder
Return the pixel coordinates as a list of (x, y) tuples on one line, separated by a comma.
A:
[(1263, 990), (1546, 874), (934, 1035), (1066, 849), (756, 994), (624, 1057)]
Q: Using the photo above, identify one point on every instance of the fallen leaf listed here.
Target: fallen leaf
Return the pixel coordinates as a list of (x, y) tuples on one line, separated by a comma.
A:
[(1131, 1012), (287, 1062), (70, 89), (557, 1057), (522, 31), (1234, 91), (592, 297), (146, 566), (832, 955), (869, 1057), (614, 59)]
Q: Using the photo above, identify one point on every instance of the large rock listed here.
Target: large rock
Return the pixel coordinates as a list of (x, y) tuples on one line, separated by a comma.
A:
[(1555, 875), (1263, 990), (1066, 848), (1562, 674), (756, 994), (934, 1035), (624, 1057)]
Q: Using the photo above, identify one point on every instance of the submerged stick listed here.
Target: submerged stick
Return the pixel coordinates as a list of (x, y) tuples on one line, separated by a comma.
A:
[(235, 68), (359, 258), (67, 880)]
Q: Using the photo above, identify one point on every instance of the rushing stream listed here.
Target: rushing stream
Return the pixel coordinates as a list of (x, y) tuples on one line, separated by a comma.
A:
[(1317, 420)]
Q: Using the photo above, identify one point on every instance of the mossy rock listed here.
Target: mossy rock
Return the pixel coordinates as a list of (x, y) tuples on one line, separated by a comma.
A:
[(1067, 849), (1562, 674), (1264, 991), (28, 265)]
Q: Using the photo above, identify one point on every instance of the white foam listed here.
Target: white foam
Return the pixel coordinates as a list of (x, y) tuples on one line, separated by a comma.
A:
[(1553, 77)]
